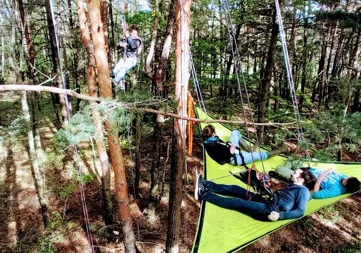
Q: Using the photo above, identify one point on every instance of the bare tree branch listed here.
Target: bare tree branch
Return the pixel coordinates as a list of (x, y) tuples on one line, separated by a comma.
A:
[(129, 106)]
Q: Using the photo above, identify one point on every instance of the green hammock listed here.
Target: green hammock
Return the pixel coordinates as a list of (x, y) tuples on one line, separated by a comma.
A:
[(221, 230)]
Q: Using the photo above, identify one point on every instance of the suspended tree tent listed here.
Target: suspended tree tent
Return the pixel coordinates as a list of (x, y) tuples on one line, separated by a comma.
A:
[(222, 230)]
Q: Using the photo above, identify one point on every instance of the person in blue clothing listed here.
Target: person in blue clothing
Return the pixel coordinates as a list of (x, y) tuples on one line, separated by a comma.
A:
[(288, 203), (331, 184), (230, 152)]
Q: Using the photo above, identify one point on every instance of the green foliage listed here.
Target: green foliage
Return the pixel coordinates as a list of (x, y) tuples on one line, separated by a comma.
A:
[(345, 19), (53, 160), (353, 247), (324, 155), (338, 129), (55, 220), (46, 246), (80, 128), (306, 223), (18, 128), (329, 213), (66, 191), (83, 178)]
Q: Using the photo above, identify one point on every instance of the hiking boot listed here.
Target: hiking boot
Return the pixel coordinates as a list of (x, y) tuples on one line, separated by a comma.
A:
[(199, 187), (244, 145)]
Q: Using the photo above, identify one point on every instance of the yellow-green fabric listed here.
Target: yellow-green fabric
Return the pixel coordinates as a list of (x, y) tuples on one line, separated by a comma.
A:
[(221, 230)]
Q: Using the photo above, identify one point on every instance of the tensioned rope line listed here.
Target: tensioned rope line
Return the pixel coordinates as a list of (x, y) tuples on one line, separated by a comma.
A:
[(76, 155), (300, 134), (288, 69), (238, 68), (196, 83)]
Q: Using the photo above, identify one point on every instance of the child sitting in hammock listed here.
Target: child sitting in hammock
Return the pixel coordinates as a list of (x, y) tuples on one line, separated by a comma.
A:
[(230, 152)]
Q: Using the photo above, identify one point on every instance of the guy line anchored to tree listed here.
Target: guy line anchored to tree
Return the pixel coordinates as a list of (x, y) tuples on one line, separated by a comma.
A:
[(129, 106)]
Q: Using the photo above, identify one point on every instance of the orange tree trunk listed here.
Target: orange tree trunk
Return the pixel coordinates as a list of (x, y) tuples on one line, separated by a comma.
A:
[(179, 132), (99, 138), (111, 128)]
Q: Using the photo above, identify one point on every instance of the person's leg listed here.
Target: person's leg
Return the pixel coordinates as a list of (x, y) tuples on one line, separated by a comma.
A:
[(254, 209), (254, 156), (237, 140), (117, 68), (230, 190), (281, 150), (123, 67), (129, 64)]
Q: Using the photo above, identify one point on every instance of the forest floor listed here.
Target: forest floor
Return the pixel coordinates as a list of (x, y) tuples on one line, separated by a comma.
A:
[(336, 228)]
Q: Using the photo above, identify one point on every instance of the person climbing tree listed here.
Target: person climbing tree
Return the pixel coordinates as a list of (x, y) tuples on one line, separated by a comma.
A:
[(132, 45), (230, 152)]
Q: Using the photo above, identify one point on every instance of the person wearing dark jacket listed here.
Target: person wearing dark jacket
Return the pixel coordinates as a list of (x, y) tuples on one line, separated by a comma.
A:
[(288, 203), (132, 45), (230, 152)]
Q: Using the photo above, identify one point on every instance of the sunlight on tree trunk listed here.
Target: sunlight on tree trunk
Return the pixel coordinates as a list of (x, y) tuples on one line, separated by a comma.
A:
[(115, 149), (179, 132), (99, 136), (34, 160)]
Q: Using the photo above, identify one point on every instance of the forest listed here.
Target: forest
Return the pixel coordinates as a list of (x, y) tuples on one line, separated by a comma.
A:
[(89, 164)]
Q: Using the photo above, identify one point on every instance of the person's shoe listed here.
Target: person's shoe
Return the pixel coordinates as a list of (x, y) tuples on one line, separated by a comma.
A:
[(244, 145), (255, 148), (199, 187), (121, 84)]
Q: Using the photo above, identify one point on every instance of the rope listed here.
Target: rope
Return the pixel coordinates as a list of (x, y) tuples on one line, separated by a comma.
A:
[(196, 83), (76, 155), (300, 134), (238, 72)]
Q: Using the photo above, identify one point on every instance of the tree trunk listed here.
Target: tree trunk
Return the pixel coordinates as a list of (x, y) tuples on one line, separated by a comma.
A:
[(321, 73), (304, 58), (56, 61), (104, 18), (148, 66), (99, 137), (138, 135), (11, 53), (29, 41), (116, 152), (353, 73), (159, 76), (34, 160), (157, 149), (179, 133), (266, 79)]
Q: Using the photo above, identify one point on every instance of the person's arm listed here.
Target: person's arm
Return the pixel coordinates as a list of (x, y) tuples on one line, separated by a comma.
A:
[(329, 192), (298, 208), (318, 192), (133, 43)]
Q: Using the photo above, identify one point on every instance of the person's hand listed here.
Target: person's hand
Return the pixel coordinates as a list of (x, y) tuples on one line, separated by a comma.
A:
[(273, 216), (127, 34), (232, 148), (121, 44), (325, 175)]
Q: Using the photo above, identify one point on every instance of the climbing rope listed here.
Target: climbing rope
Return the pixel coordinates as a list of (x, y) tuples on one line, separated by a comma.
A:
[(300, 134), (76, 155), (196, 83), (239, 72)]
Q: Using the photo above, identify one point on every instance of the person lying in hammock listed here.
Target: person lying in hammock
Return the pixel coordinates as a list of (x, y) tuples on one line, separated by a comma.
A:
[(329, 183), (288, 203), (230, 152)]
